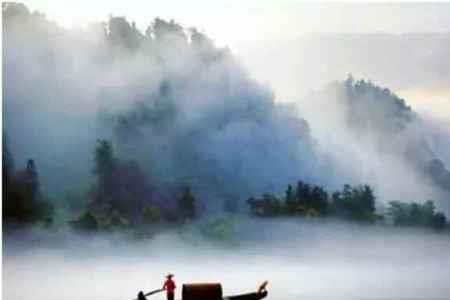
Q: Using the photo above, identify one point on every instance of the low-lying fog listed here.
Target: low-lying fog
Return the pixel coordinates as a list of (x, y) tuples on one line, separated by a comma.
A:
[(301, 260)]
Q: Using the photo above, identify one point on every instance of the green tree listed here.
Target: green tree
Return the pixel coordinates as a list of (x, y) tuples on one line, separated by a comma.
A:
[(368, 199), (439, 221), (290, 201), (272, 205), (319, 200), (105, 163), (24, 202), (31, 178), (7, 170), (268, 206), (186, 205), (122, 34), (151, 215), (121, 186), (303, 194), (357, 203), (87, 222), (399, 212), (14, 10), (415, 214), (105, 168), (168, 32), (311, 197)]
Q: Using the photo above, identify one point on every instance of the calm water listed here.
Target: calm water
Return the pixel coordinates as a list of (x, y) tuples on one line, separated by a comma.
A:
[(300, 261)]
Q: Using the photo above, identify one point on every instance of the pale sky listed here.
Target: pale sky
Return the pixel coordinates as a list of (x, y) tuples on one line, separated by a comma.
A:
[(247, 25), (235, 23)]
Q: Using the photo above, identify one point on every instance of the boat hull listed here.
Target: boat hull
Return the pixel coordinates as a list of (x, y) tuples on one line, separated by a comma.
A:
[(249, 296)]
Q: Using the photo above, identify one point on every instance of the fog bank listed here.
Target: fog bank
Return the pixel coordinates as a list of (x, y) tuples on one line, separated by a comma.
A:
[(303, 260)]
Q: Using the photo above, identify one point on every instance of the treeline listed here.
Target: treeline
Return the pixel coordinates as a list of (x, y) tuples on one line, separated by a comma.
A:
[(123, 197), (416, 214), (23, 202), (356, 203)]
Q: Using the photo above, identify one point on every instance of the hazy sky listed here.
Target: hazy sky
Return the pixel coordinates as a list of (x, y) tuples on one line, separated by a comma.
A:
[(235, 22), (247, 26)]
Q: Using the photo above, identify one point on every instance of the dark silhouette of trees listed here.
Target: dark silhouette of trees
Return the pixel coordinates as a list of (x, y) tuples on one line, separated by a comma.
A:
[(357, 203), (373, 108), (105, 168), (14, 10), (439, 221), (415, 214), (186, 205), (87, 222), (290, 201), (310, 199), (302, 194), (438, 171), (168, 32), (267, 206), (31, 178), (307, 200), (7, 169), (123, 196), (201, 41), (151, 215), (123, 34), (318, 200), (121, 187), (23, 202)]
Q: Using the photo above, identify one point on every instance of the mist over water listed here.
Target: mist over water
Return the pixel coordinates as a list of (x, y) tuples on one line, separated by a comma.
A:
[(301, 260), (188, 113)]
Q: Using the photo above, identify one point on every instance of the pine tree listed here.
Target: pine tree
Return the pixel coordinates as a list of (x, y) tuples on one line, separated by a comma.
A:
[(290, 201), (186, 205)]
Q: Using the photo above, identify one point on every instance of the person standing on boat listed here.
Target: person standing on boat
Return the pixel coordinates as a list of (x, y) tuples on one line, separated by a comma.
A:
[(169, 286)]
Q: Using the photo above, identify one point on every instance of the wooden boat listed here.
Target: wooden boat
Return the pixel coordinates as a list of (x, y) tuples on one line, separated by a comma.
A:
[(212, 291), (249, 296)]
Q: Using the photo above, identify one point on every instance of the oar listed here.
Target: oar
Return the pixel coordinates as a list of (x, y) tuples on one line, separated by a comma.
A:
[(151, 293)]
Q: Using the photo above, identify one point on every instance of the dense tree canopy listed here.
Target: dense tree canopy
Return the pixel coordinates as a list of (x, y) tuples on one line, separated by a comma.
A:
[(415, 214), (187, 205), (354, 202), (121, 187), (23, 201)]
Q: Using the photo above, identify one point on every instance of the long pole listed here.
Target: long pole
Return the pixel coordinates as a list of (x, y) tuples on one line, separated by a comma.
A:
[(154, 292), (151, 293)]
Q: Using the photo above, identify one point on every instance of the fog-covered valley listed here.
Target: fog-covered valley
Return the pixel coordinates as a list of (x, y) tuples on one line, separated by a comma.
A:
[(129, 153), (307, 260)]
